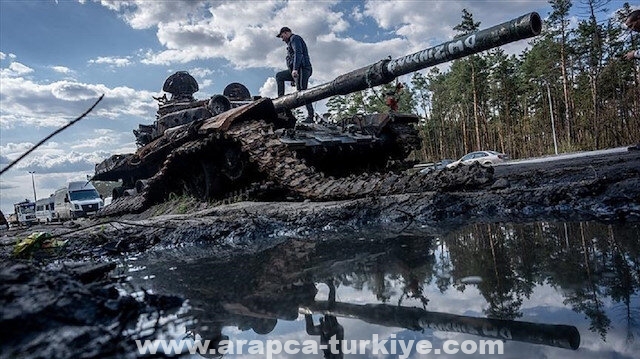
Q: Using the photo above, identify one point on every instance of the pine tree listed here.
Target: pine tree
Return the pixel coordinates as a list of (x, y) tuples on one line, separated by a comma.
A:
[(468, 26), (558, 22)]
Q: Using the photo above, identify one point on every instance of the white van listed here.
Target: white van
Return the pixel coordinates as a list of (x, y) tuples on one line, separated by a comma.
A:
[(45, 210), (78, 199)]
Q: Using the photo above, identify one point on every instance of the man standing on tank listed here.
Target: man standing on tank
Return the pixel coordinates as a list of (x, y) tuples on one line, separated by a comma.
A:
[(299, 65)]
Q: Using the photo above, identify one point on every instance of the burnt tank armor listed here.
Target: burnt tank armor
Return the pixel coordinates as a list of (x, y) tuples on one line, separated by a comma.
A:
[(213, 148)]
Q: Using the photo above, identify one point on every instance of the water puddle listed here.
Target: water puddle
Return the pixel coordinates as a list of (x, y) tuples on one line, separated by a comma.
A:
[(542, 289)]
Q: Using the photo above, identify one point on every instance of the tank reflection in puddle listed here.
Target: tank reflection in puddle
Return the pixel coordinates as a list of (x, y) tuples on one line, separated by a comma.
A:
[(501, 265), (254, 291)]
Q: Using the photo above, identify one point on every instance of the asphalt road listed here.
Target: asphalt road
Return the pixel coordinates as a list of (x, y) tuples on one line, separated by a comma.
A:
[(589, 161)]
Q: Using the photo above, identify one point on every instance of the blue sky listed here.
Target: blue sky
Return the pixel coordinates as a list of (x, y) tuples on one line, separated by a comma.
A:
[(58, 57)]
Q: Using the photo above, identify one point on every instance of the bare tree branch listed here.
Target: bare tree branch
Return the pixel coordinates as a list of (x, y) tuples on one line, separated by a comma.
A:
[(51, 135)]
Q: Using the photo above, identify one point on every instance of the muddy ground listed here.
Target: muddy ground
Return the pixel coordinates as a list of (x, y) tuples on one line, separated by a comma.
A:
[(59, 298)]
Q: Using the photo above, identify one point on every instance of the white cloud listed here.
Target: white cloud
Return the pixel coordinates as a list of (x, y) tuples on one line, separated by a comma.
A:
[(61, 69), (13, 150), (80, 154), (15, 69), (99, 142), (431, 22), (205, 83), (113, 61), (70, 161), (144, 14), (269, 88), (357, 14), (243, 32), (74, 91), (4, 56), (28, 103), (200, 72)]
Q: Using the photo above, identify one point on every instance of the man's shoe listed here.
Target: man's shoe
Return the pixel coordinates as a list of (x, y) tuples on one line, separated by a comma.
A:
[(308, 119)]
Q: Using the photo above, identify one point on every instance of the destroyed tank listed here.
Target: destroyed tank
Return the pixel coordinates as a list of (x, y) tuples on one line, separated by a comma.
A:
[(235, 143)]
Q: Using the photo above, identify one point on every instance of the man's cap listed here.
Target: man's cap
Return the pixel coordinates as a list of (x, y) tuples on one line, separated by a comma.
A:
[(283, 29)]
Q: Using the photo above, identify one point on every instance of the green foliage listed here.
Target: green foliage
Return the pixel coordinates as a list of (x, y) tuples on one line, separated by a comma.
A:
[(176, 204), (467, 26), (506, 103), (184, 205), (337, 106), (558, 19)]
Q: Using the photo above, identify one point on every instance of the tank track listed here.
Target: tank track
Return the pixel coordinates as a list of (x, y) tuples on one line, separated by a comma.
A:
[(281, 165)]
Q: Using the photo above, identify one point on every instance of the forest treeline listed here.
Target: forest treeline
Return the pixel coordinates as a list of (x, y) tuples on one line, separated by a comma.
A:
[(570, 90)]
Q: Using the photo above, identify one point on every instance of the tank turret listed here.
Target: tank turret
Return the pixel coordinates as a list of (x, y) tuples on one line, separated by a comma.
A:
[(234, 142)]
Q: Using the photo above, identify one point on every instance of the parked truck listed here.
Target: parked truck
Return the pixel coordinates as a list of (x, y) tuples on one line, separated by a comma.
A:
[(24, 213), (76, 200)]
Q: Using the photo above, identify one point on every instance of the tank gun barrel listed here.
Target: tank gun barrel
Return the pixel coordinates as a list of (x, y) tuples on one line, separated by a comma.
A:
[(387, 70), (417, 319)]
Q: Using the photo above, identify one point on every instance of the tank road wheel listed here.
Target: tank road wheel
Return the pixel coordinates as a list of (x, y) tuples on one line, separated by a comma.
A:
[(233, 165), (117, 192), (218, 104), (203, 181), (237, 91)]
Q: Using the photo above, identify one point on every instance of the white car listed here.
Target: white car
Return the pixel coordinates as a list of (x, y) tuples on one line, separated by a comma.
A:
[(486, 158)]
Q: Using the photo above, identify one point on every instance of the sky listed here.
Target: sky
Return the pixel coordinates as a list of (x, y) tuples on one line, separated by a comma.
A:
[(58, 57)]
